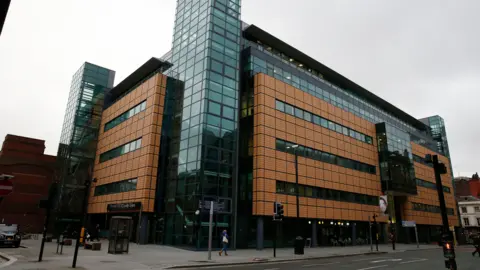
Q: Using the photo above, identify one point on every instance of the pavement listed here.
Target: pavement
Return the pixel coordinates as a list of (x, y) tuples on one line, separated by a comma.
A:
[(164, 257)]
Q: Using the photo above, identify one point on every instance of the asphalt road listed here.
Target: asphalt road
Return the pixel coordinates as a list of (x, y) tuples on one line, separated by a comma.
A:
[(408, 260)]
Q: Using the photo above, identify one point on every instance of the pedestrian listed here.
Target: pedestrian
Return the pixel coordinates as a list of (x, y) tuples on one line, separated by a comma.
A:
[(224, 243), (476, 244), (95, 233)]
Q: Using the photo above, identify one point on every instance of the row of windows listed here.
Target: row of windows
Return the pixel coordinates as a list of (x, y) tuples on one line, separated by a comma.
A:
[(430, 185), (430, 208), (123, 149), (117, 187), (326, 194), (421, 160), (335, 95), (313, 118), (124, 116), (307, 152)]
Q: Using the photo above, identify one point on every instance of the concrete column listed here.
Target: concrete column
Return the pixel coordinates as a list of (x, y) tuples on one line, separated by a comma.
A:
[(143, 235), (314, 233), (385, 233), (354, 234), (259, 233)]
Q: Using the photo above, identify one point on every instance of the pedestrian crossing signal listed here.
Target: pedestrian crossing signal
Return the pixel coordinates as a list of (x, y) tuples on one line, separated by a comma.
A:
[(278, 211)]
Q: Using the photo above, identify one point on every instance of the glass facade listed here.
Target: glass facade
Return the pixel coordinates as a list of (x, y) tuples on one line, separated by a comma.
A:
[(205, 54), (78, 141), (396, 160)]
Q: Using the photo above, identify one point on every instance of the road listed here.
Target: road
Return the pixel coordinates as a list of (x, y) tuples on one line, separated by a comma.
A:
[(408, 260)]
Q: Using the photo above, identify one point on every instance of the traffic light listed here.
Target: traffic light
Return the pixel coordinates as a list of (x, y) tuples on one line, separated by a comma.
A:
[(278, 211)]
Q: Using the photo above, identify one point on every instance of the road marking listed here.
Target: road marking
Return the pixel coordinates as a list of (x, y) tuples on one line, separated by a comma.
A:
[(370, 259), (387, 260), (10, 260), (319, 264), (419, 260), (378, 266)]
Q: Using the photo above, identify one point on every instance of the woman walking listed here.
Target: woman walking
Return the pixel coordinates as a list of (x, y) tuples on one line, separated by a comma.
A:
[(224, 243)]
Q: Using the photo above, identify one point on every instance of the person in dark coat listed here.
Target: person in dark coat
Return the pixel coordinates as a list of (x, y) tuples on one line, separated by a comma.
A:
[(476, 244)]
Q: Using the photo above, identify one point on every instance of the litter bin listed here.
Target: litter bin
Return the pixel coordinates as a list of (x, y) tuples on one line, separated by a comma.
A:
[(299, 245)]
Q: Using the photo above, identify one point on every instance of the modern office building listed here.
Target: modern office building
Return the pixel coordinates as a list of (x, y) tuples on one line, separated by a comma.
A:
[(79, 137), (222, 116)]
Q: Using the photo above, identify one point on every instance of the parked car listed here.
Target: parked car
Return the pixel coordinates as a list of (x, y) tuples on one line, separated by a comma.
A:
[(9, 235)]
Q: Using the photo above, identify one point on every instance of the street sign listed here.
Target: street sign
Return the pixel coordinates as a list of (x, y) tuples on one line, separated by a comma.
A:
[(406, 223), (6, 187), (207, 205)]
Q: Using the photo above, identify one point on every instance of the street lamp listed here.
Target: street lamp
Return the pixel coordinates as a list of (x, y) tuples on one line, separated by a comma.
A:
[(88, 183), (294, 147), (197, 227)]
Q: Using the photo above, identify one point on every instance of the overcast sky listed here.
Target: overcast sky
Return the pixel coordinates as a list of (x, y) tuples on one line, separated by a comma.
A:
[(422, 56)]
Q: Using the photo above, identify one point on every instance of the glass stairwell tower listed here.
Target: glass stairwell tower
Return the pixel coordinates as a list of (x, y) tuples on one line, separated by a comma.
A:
[(205, 56)]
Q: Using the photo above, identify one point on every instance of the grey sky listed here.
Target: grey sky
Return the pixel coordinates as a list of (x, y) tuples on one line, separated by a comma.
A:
[(404, 51)]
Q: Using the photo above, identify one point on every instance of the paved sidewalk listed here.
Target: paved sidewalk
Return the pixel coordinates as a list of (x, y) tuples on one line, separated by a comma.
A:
[(163, 257)]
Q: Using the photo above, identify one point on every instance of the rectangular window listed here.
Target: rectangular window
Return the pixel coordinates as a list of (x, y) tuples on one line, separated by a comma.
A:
[(280, 105), (307, 152), (116, 187), (464, 209), (126, 115), (477, 209), (308, 116), (123, 149), (466, 222)]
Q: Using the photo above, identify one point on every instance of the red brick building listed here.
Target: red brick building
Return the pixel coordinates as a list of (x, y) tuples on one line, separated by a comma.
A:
[(33, 172), (466, 186)]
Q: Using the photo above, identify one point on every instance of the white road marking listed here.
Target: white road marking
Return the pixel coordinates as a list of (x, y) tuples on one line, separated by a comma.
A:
[(387, 260), (10, 261), (319, 264), (419, 260), (378, 266), (370, 259)]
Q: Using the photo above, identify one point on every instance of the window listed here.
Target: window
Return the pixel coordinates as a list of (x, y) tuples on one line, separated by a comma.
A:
[(324, 193), (126, 115), (478, 221), (477, 209), (123, 149), (116, 187), (464, 209), (466, 222), (307, 116), (280, 105), (307, 152)]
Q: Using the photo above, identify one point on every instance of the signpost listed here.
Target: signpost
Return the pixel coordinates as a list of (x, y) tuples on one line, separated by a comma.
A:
[(210, 232), (410, 224)]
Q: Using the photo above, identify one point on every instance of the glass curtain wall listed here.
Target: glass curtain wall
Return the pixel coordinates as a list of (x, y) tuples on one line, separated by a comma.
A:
[(205, 54), (80, 132)]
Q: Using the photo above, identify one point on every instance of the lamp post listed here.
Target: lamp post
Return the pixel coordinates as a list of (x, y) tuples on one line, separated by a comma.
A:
[(88, 183), (197, 227)]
